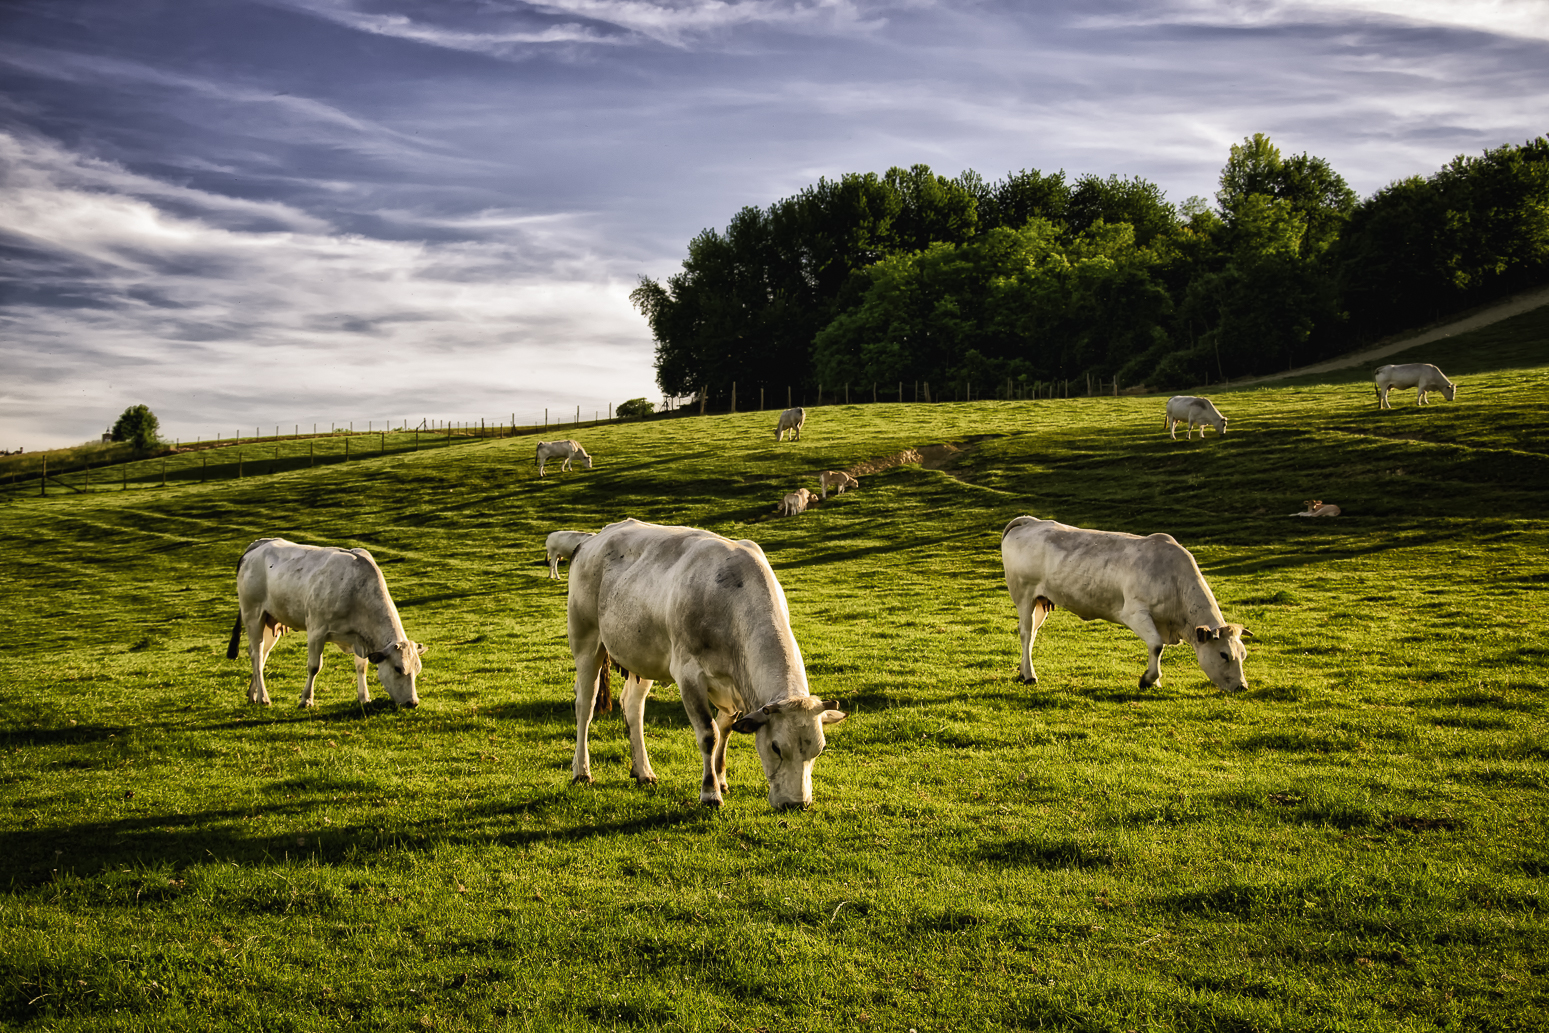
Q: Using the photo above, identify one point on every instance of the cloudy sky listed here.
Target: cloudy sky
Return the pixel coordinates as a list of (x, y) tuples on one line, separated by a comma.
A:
[(261, 212)]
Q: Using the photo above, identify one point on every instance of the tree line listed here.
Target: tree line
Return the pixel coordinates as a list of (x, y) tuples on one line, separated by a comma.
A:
[(913, 276)]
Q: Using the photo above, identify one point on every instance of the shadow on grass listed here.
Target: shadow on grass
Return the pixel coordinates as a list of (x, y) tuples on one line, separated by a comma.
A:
[(1046, 852)]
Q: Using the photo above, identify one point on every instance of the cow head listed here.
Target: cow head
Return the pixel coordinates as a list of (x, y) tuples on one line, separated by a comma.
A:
[(587, 458), (1450, 391), (1220, 427), (398, 664), (789, 735), (1221, 654)]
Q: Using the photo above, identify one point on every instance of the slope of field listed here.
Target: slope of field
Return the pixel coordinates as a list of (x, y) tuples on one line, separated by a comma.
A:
[(1357, 841)]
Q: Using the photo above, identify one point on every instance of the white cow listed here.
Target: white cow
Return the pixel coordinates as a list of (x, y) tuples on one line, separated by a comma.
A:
[(836, 479), (686, 605), (791, 420), (1194, 411), (566, 450), (1420, 375), (1150, 585), (1318, 508), (561, 545), (334, 595)]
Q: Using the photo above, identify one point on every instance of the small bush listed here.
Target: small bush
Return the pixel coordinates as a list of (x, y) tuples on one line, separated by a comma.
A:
[(635, 407)]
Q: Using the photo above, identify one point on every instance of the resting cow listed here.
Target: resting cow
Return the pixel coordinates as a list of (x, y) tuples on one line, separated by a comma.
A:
[(1150, 585), (1194, 411), (334, 595), (566, 450), (561, 545), (1319, 508), (791, 420), (837, 480), (686, 605), (1420, 375)]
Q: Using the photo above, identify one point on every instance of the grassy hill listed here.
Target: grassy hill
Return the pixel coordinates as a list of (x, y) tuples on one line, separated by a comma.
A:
[(1356, 841)]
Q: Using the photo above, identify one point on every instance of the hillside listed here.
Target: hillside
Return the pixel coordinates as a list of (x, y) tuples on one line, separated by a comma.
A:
[(1356, 840)]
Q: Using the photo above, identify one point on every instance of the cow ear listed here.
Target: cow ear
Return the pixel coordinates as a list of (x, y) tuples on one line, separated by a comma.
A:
[(831, 704), (420, 647), (1244, 633), (752, 723), (833, 717), (376, 657), (1202, 634)]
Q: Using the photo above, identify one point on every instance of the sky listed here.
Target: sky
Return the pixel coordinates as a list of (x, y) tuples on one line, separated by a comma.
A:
[(251, 214)]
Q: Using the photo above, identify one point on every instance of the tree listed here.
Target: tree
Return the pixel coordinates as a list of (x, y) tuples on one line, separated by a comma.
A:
[(635, 407), (139, 426)]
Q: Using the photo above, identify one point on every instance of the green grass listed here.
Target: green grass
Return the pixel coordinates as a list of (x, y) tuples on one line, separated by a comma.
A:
[(1356, 842)]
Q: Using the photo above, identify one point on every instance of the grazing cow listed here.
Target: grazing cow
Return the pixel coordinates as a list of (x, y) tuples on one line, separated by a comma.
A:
[(791, 420), (1318, 508), (1420, 375), (836, 479), (566, 450), (682, 604), (1194, 411), (334, 595), (561, 545), (1150, 585)]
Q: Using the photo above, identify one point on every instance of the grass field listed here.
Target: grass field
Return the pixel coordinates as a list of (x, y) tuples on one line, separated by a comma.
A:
[(1357, 842)]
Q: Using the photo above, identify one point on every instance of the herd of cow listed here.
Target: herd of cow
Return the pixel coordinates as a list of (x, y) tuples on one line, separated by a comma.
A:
[(687, 605)]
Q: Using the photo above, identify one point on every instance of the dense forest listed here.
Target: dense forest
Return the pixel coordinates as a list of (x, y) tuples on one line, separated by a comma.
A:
[(918, 278)]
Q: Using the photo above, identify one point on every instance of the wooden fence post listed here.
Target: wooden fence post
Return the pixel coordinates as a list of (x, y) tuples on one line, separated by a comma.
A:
[(733, 396), (43, 478)]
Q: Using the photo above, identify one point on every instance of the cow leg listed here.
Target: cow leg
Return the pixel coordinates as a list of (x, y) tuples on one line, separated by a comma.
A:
[(1140, 623), (1420, 397), (261, 637), (696, 701), (588, 668), (1031, 620), (554, 568), (1382, 398), (632, 703), (362, 694), (315, 644), (1172, 428), (723, 722)]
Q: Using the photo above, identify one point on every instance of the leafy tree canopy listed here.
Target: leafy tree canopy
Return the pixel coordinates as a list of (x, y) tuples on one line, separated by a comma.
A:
[(138, 425)]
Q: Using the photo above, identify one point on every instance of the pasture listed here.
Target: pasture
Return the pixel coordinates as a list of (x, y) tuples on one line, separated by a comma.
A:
[(1357, 842)]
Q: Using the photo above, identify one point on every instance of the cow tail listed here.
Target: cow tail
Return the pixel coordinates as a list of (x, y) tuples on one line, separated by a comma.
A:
[(604, 690), (236, 639)]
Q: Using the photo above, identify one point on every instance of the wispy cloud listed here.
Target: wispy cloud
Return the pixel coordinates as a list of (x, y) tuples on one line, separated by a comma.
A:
[(124, 301)]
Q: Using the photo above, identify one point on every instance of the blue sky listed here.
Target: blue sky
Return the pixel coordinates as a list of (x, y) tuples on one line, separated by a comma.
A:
[(246, 214)]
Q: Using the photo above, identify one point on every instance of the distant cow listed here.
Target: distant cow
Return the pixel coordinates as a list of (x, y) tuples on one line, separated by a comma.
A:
[(561, 545), (1318, 508), (1420, 375), (334, 595), (566, 450), (1194, 411), (1150, 585), (686, 605), (836, 479), (791, 420)]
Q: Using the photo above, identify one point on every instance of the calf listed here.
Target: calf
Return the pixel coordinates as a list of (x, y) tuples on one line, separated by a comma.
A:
[(836, 479), (1150, 585), (334, 595), (686, 605), (1420, 375)]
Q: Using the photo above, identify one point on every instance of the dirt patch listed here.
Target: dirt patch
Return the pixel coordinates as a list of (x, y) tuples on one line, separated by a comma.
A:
[(932, 457)]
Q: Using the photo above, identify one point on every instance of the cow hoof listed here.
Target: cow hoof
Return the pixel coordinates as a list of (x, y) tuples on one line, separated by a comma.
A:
[(1146, 683), (714, 802), (645, 780), (581, 780), (1027, 681)]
